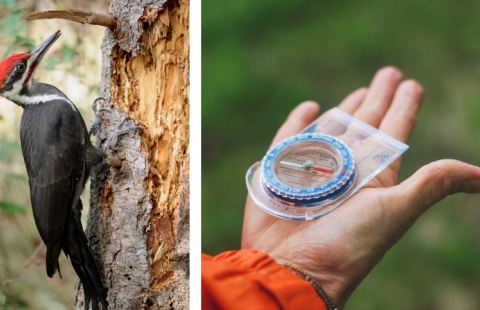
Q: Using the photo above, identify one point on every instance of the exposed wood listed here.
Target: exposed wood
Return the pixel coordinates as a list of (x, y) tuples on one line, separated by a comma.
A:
[(138, 223), (83, 17), (153, 88), (164, 229)]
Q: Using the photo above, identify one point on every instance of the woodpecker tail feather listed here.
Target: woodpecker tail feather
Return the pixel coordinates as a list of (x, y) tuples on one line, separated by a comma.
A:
[(52, 259), (76, 247)]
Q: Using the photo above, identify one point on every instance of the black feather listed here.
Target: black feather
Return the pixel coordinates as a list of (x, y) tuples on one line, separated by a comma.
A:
[(58, 155), (77, 249), (49, 131)]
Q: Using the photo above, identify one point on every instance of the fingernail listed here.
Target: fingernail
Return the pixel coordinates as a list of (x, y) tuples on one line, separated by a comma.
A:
[(390, 73), (308, 105)]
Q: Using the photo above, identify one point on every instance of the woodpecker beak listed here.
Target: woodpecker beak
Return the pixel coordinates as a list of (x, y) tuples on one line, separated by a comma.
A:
[(37, 54)]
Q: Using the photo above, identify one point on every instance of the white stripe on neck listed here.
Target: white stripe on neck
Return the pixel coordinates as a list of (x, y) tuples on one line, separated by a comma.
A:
[(26, 100)]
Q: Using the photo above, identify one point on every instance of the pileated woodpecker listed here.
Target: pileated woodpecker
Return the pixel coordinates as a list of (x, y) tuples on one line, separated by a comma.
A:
[(59, 156)]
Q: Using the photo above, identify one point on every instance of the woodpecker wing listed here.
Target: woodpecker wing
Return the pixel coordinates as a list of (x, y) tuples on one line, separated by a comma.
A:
[(53, 143)]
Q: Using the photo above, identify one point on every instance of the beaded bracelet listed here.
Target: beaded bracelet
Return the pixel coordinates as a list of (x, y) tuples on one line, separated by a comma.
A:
[(307, 277)]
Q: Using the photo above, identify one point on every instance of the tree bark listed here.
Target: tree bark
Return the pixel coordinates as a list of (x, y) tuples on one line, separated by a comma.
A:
[(138, 224)]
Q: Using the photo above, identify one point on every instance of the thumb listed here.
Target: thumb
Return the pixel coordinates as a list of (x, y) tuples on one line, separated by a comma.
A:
[(432, 183), (298, 119)]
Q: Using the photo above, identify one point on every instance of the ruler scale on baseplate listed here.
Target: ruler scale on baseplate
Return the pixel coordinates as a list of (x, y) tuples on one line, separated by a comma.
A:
[(309, 175)]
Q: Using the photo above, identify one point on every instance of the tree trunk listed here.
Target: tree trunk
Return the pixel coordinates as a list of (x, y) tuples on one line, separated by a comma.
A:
[(138, 224)]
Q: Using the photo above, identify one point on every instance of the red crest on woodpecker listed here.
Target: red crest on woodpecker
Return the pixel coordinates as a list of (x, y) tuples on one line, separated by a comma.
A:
[(7, 64)]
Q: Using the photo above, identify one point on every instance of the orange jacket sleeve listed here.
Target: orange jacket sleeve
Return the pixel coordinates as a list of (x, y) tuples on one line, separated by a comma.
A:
[(252, 280)]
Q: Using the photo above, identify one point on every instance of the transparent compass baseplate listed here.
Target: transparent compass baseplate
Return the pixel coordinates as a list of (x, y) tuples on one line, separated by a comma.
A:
[(311, 174)]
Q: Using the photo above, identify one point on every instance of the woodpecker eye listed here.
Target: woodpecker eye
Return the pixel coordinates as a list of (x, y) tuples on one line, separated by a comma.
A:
[(21, 67)]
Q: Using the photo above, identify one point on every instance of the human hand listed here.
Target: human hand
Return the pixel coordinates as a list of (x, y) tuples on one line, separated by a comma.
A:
[(340, 249)]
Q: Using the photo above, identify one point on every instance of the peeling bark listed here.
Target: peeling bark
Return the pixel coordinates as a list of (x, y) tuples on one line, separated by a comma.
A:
[(138, 224), (130, 28)]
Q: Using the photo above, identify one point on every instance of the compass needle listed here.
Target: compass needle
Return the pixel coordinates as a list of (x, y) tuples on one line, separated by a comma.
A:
[(308, 169), (290, 164)]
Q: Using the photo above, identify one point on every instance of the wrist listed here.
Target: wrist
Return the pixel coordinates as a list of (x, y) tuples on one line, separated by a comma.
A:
[(309, 278), (330, 285)]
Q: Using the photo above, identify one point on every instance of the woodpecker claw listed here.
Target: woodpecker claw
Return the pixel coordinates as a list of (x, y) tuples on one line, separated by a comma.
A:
[(113, 139), (94, 104), (98, 117)]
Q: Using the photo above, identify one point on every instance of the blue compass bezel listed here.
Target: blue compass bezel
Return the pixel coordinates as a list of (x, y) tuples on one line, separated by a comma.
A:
[(337, 183)]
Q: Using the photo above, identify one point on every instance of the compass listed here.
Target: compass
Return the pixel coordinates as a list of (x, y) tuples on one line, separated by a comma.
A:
[(309, 175), (309, 169)]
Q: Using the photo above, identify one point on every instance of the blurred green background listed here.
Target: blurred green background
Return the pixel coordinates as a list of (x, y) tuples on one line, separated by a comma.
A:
[(261, 58), (73, 65)]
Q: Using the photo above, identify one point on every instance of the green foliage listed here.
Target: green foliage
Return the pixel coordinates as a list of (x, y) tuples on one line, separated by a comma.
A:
[(25, 42), (260, 59), (51, 63), (13, 26), (11, 208), (9, 150), (10, 4), (13, 298), (18, 177), (6, 146), (67, 55)]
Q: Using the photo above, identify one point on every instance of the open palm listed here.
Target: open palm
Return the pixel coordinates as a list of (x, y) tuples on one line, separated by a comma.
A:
[(340, 249)]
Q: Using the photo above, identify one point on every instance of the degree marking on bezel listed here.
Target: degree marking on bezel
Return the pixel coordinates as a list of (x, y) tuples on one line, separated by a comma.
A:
[(280, 189)]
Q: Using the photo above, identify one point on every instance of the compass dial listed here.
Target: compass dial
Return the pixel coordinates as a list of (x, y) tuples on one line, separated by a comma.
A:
[(306, 165), (308, 169)]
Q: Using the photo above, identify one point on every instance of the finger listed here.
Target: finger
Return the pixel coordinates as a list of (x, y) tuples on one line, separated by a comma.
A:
[(299, 118), (402, 115), (353, 101), (429, 185), (379, 96)]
